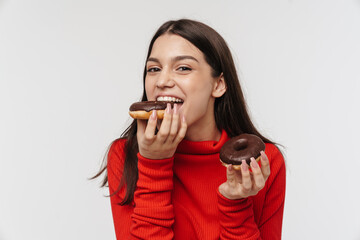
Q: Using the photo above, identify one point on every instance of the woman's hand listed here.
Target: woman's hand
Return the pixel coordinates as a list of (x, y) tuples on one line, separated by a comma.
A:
[(164, 143), (243, 183)]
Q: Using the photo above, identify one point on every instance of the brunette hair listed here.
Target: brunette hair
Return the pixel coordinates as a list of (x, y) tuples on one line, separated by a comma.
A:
[(230, 109)]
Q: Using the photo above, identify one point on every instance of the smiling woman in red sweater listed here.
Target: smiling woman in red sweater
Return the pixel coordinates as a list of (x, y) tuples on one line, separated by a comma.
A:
[(165, 177)]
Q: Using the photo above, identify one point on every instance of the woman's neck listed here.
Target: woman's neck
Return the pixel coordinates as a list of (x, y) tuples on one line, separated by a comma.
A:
[(204, 132)]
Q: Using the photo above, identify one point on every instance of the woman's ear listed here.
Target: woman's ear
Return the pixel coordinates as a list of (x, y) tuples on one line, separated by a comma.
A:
[(219, 87)]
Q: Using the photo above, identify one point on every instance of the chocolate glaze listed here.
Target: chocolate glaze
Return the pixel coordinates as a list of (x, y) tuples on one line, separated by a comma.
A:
[(149, 106), (242, 147)]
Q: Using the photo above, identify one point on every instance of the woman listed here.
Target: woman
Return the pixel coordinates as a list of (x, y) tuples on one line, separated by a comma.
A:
[(165, 177)]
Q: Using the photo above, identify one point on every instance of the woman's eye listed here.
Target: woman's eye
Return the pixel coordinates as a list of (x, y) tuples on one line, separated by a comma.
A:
[(184, 68), (153, 69)]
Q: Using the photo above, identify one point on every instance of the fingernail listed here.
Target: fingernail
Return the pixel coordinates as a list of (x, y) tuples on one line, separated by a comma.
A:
[(253, 163), (230, 168), (175, 108), (153, 115), (168, 108), (244, 165)]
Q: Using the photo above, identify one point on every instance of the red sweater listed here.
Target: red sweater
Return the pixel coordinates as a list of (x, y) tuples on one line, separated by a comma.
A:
[(178, 197)]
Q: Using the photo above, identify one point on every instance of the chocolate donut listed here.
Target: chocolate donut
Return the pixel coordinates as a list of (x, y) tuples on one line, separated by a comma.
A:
[(242, 147), (143, 110)]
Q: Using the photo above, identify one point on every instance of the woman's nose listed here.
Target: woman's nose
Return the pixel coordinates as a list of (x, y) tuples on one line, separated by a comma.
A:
[(165, 79)]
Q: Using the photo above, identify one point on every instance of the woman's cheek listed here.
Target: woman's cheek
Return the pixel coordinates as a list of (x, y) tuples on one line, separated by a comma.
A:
[(149, 88), (184, 111), (193, 113)]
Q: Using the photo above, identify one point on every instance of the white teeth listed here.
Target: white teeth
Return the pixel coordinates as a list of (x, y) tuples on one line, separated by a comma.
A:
[(169, 99)]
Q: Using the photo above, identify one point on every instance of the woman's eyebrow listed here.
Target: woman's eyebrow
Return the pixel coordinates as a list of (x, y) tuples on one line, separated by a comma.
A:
[(175, 59), (182, 57), (152, 59)]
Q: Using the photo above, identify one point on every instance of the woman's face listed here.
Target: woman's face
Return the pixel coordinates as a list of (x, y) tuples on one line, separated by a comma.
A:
[(177, 71)]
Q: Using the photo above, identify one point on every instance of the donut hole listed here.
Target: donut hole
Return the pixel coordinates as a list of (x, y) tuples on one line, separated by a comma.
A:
[(240, 145)]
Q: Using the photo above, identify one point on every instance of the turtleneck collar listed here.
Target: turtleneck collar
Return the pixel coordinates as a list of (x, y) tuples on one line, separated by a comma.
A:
[(203, 147)]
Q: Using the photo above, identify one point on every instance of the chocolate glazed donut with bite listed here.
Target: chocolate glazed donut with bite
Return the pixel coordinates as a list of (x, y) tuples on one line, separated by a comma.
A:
[(239, 148), (143, 110)]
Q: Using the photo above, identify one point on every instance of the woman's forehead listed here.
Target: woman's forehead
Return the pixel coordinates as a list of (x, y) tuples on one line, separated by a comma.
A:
[(174, 45)]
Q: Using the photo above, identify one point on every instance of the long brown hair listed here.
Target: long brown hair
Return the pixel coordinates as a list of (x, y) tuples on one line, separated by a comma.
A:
[(231, 112)]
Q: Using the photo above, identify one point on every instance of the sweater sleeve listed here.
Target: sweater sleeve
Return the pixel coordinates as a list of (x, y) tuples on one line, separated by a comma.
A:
[(237, 219), (153, 214), (237, 216), (270, 224), (115, 165)]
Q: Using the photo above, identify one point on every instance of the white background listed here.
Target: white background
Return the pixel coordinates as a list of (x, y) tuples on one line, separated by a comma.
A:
[(70, 69)]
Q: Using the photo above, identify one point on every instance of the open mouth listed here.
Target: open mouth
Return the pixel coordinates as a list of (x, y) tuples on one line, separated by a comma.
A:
[(169, 99)]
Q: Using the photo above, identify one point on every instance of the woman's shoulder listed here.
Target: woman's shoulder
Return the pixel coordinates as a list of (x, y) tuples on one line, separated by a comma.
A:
[(277, 179), (274, 154), (117, 146), (115, 167), (116, 157)]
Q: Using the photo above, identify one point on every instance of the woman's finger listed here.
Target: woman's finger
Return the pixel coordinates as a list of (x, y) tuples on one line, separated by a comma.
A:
[(246, 178), (141, 125), (182, 131), (164, 130), (238, 176), (174, 124), (258, 178), (231, 176), (150, 128), (265, 165)]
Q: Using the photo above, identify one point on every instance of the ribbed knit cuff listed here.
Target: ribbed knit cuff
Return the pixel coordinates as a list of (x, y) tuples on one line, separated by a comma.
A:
[(237, 218), (155, 180), (236, 204), (155, 168)]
